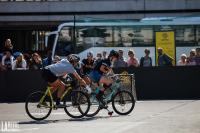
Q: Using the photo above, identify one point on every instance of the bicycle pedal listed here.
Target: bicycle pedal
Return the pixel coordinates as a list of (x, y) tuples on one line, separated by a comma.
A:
[(110, 113)]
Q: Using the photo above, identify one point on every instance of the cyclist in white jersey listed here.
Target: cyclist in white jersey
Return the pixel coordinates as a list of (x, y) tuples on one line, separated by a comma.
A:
[(65, 66)]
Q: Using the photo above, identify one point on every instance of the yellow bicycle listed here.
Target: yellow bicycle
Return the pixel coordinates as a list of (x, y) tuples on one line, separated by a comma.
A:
[(39, 104)]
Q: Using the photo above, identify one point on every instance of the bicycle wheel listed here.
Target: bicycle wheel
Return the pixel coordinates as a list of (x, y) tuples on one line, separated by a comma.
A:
[(123, 102), (94, 106), (77, 104), (36, 110)]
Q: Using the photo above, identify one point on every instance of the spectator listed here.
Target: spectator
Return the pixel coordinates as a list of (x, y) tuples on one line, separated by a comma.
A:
[(98, 58), (183, 60), (56, 59), (48, 60), (191, 59), (27, 58), (19, 63), (36, 62), (104, 55), (121, 56), (8, 45), (197, 57), (164, 59), (132, 61), (146, 61), (88, 63), (7, 60)]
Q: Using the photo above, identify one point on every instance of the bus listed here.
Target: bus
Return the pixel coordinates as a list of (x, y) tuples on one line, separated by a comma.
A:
[(97, 36)]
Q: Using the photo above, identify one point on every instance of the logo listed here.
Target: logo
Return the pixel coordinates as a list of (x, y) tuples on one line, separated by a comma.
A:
[(9, 126)]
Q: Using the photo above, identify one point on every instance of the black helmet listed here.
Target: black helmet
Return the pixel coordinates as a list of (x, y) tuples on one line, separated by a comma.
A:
[(113, 53), (73, 58)]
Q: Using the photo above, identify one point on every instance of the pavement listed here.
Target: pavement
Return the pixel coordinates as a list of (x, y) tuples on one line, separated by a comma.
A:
[(165, 116)]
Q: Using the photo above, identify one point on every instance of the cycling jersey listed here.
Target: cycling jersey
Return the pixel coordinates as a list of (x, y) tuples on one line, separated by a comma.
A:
[(61, 67)]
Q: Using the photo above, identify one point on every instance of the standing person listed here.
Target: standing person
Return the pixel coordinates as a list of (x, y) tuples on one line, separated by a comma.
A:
[(7, 60), (98, 59), (132, 61), (191, 59), (88, 63), (36, 62), (197, 57), (164, 59), (183, 60), (121, 55), (66, 66), (104, 55), (146, 61), (19, 63)]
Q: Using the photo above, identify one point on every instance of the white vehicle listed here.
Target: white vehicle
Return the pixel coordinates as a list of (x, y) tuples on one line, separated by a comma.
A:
[(81, 37)]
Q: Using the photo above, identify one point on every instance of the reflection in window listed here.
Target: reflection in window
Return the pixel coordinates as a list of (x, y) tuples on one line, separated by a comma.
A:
[(198, 36), (185, 35)]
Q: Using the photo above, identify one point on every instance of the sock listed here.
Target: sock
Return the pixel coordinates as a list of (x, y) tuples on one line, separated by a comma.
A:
[(57, 101)]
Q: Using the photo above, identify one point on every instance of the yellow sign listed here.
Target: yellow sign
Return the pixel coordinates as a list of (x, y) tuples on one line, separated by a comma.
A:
[(166, 41)]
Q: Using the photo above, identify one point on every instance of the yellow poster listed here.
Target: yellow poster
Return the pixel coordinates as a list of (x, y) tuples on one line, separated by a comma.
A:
[(166, 41)]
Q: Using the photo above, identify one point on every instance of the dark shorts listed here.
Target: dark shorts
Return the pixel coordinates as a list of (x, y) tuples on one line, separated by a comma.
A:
[(48, 76), (95, 76)]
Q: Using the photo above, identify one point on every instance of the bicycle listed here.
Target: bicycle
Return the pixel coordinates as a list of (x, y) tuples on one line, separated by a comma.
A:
[(39, 104), (119, 98)]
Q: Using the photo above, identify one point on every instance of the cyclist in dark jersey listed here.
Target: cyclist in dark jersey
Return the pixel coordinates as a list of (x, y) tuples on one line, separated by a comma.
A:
[(96, 75)]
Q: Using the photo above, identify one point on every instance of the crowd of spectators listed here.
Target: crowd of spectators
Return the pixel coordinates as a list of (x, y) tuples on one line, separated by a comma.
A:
[(10, 60)]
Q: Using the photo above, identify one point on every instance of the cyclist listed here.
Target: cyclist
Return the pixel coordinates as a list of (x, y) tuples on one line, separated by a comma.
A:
[(65, 66), (96, 75)]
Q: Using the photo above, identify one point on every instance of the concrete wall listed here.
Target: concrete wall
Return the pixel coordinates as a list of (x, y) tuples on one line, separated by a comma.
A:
[(116, 9)]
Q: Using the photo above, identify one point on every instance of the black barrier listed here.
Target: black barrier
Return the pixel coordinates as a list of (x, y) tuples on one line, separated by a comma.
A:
[(16, 85), (150, 83), (166, 82)]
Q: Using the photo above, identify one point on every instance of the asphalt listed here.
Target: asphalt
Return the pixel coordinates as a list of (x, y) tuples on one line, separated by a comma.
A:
[(167, 116)]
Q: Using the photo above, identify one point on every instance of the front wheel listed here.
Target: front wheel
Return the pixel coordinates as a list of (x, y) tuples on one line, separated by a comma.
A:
[(123, 102), (77, 104), (94, 106), (38, 106)]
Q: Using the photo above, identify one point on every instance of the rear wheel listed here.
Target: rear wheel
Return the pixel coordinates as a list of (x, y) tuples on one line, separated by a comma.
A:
[(77, 104), (123, 102), (37, 110)]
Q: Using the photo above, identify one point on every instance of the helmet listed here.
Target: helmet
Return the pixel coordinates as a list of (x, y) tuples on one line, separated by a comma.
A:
[(73, 58), (113, 53)]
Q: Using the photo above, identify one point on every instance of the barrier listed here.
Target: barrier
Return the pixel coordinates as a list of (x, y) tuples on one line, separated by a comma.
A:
[(151, 83)]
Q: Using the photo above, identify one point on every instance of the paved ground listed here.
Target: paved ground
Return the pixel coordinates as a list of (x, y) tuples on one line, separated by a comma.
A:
[(147, 117)]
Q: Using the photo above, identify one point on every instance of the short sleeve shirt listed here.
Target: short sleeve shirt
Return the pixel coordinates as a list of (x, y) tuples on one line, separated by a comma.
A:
[(61, 67)]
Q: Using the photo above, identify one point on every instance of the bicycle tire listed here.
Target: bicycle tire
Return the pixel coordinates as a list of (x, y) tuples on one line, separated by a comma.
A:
[(120, 97), (34, 99), (76, 100), (94, 106)]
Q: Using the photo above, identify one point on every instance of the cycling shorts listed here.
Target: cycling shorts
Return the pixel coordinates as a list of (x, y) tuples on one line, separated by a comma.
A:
[(95, 76), (49, 76)]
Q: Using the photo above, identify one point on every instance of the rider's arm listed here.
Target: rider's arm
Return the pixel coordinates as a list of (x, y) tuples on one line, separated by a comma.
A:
[(105, 69), (77, 76)]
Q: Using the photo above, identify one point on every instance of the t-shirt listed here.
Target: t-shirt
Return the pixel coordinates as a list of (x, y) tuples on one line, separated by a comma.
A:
[(85, 62), (62, 67), (102, 62)]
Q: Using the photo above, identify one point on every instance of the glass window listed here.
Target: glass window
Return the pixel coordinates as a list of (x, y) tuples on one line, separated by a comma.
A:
[(64, 43), (185, 35), (198, 35)]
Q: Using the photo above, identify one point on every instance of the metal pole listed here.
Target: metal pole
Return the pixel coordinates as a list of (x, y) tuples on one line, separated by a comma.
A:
[(74, 34)]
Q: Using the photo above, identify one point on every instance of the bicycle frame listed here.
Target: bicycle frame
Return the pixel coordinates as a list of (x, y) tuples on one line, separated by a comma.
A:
[(48, 92)]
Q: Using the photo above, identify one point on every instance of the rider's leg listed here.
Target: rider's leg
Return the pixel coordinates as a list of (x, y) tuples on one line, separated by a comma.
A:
[(61, 87)]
